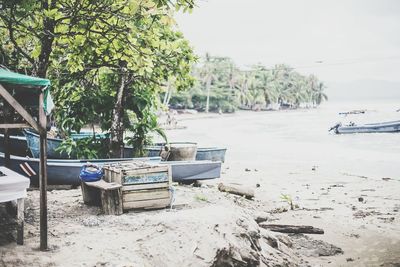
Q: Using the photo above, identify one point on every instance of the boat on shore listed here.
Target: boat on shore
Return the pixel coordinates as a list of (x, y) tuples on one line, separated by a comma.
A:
[(203, 153), (353, 112), (33, 139), (382, 127), (18, 145), (66, 171)]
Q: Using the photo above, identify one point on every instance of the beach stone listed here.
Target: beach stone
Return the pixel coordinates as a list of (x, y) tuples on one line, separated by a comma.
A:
[(91, 222), (260, 217)]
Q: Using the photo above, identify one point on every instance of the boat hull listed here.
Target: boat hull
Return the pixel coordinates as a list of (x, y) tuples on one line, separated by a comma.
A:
[(189, 171), (60, 172), (33, 140), (66, 172), (385, 127), (17, 145), (203, 153)]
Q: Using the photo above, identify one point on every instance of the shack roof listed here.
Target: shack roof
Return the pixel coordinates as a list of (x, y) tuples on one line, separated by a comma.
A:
[(28, 82), (10, 77)]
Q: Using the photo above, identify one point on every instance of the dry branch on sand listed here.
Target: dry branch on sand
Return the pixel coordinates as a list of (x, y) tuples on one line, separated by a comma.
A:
[(292, 229), (237, 190)]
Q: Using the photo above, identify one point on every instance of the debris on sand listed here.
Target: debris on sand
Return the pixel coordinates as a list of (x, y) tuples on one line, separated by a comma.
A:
[(296, 229), (236, 190), (362, 214), (308, 246)]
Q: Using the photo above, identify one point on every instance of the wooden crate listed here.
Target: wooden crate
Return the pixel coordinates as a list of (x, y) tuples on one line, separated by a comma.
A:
[(144, 185)]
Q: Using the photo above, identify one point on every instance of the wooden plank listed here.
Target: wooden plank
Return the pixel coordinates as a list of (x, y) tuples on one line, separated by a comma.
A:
[(101, 184), (145, 178), (17, 106), (91, 195), (169, 174), (116, 177), (147, 204), (43, 174), (145, 195), (14, 125), (145, 186), (6, 144), (7, 157), (20, 221), (111, 201), (106, 174), (146, 170), (295, 229), (237, 190)]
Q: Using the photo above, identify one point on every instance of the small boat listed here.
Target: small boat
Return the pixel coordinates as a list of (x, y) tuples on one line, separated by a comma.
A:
[(203, 153), (382, 127), (33, 140), (33, 143), (189, 171), (59, 172), (211, 153), (66, 172), (353, 112), (17, 145)]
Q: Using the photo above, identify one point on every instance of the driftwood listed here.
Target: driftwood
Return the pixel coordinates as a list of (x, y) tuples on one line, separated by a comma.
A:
[(237, 190), (292, 229)]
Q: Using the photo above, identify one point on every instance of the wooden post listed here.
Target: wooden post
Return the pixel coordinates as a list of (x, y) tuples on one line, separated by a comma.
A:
[(91, 195), (20, 221), (43, 174), (6, 135), (111, 201)]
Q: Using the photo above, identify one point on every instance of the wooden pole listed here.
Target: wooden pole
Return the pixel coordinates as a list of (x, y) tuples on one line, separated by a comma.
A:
[(43, 174), (6, 113), (6, 148)]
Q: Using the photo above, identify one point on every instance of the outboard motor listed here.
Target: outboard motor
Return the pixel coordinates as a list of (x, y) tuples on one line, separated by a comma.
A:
[(335, 127)]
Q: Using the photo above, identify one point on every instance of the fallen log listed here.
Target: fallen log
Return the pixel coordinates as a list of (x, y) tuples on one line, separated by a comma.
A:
[(292, 229), (237, 190)]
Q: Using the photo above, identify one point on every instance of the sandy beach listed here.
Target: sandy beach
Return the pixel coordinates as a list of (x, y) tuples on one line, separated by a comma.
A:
[(347, 185)]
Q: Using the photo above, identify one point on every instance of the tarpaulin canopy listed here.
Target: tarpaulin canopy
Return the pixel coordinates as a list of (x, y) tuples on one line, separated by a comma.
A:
[(9, 77)]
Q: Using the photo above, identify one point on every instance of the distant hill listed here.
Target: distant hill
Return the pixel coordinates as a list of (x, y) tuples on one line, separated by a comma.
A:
[(363, 90)]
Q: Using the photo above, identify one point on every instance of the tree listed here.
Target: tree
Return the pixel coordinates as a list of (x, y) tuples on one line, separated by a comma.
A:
[(133, 43)]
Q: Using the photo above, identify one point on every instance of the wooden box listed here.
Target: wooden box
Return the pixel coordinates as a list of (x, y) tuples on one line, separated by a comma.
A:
[(144, 185)]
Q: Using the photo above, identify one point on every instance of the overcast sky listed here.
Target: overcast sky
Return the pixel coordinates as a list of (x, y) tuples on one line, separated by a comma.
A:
[(355, 39)]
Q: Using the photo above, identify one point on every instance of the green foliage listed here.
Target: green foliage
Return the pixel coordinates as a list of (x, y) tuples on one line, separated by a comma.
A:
[(142, 122), (288, 199), (201, 198), (100, 56), (229, 87), (84, 148)]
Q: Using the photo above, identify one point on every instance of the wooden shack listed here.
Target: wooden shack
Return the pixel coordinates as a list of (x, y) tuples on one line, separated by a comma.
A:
[(30, 98)]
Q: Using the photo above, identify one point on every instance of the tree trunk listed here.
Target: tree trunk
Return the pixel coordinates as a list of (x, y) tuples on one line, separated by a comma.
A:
[(117, 127), (208, 85), (46, 42)]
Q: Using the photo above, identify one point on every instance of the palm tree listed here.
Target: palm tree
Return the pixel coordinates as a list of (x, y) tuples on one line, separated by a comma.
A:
[(207, 76), (319, 94)]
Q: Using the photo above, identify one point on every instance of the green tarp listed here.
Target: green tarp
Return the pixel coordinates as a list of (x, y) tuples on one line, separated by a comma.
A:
[(9, 77), (20, 79)]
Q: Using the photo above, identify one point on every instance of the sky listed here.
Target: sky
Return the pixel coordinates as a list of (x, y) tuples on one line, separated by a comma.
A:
[(338, 40)]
